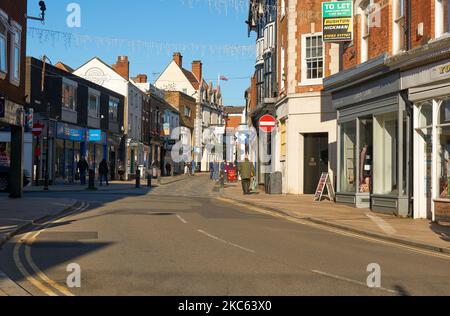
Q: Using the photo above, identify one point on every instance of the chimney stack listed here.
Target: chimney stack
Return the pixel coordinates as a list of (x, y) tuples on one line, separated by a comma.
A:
[(122, 67), (141, 78), (197, 69), (178, 58)]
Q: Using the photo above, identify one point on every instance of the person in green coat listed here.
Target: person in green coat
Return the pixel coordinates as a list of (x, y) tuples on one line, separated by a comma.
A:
[(246, 171)]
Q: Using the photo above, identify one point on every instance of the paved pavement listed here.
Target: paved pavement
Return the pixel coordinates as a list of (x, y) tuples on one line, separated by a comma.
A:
[(185, 239), (422, 233)]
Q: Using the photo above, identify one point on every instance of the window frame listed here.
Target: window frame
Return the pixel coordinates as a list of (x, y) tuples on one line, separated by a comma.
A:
[(305, 81), (117, 102), (72, 84), (97, 94), (15, 61), (4, 20)]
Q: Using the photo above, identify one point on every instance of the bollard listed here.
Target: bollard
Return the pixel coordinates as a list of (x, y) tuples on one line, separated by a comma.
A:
[(138, 179), (149, 180), (91, 179)]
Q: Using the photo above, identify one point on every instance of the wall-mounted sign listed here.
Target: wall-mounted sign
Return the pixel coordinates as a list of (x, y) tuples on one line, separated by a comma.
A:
[(96, 75), (70, 132), (94, 135), (337, 21)]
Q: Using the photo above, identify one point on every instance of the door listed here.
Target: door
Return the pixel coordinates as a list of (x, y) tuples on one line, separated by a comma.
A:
[(315, 160)]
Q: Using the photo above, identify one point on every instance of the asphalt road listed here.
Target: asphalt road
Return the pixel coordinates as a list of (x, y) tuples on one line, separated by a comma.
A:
[(181, 240)]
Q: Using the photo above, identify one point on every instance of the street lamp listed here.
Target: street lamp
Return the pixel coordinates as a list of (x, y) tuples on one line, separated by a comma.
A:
[(47, 104)]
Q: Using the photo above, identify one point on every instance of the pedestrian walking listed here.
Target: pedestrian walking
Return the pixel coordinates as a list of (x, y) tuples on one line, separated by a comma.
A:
[(82, 167), (168, 169), (211, 170), (246, 171), (103, 170)]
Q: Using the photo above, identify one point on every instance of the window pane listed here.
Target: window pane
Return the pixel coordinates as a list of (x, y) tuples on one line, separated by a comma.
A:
[(386, 154), (443, 162), (444, 114), (2, 54), (348, 157)]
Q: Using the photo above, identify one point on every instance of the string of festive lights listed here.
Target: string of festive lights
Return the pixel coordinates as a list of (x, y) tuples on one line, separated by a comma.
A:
[(71, 40)]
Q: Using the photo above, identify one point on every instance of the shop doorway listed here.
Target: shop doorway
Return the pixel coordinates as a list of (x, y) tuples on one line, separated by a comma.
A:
[(315, 160)]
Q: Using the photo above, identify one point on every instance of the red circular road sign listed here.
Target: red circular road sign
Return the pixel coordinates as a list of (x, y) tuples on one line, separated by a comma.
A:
[(267, 123), (37, 129)]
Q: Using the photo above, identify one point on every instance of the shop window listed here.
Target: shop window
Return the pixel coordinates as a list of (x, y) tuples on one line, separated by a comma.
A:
[(443, 147), (366, 155), (3, 43), (348, 157), (386, 154)]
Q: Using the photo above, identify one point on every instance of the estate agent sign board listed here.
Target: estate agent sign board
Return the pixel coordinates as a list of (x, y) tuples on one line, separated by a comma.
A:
[(337, 21)]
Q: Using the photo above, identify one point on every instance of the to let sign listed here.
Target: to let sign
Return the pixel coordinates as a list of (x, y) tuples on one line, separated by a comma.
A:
[(267, 123), (337, 21)]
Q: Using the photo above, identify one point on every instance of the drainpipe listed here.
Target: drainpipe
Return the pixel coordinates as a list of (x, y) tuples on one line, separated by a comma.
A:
[(408, 23)]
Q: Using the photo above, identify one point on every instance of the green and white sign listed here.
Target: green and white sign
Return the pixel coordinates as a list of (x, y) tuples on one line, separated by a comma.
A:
[(337, 21)]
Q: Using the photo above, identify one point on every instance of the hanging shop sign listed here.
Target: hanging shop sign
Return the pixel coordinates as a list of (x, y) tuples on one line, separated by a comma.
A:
[(337, 20)]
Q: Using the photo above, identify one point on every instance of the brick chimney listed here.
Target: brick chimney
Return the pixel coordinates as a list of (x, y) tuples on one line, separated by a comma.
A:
[(178, 58), (122, 67), (141, 78), (197, 69)]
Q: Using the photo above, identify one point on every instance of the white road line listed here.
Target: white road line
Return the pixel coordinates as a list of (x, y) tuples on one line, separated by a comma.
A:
[(224, 241), (181, 219), (337, 277), (382, 224)]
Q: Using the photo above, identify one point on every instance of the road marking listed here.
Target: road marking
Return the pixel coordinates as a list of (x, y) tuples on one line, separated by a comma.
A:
[(42, 276), (224, 241), (382, 224), (337, 231), (27, 276), (181, 219), (337, 277)]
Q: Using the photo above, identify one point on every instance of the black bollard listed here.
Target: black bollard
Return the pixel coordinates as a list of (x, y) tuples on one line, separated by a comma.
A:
[(91, 179), (149, 180), (138, 179)]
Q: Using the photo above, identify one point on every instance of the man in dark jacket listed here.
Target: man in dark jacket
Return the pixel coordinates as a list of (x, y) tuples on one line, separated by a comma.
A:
[(103, 170), (246, 171), (82, 167)]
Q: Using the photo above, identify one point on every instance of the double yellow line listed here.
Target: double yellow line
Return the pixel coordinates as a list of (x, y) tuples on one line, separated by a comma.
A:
[(38, 278)]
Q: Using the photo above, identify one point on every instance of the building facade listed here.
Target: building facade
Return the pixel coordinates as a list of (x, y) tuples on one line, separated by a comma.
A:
[(391, 102), (83, 120), (117, 78), (13, 34)]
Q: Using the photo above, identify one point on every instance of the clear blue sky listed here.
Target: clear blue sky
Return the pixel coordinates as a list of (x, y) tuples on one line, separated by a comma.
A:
[(188, 22)]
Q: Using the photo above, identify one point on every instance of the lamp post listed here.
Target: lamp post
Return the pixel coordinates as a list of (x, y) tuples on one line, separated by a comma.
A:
[(47, 104)]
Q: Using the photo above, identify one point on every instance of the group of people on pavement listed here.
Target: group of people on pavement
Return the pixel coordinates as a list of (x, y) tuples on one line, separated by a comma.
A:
[(83, 170), (226, 171)]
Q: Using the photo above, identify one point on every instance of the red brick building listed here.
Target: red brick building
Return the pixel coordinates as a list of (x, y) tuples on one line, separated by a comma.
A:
[(392, 96), (13, 26)]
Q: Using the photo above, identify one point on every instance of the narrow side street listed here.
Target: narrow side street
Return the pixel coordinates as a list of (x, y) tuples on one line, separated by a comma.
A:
[(185, 239)]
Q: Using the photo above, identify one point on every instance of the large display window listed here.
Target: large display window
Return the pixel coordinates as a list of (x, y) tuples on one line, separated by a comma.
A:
[(348, 157), (443, 150), (386, 127), (366, 154)]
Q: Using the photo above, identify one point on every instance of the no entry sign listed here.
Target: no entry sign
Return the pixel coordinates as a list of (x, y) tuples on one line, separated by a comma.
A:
[(37, 129), (267, 123)]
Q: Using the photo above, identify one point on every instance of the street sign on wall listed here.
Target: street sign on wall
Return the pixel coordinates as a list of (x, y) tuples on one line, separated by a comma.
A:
[(337, 19), (267, 123)]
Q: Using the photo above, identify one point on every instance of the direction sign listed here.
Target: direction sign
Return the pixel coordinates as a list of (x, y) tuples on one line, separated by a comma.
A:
[(267, 123)]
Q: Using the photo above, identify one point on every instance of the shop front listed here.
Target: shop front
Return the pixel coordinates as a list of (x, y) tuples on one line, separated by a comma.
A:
[(71, 144), (69, 148), (429, 91), (373, 140)]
